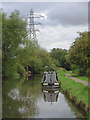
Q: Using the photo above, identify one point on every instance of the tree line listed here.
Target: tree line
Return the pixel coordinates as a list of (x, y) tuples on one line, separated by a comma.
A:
[(20, 53)]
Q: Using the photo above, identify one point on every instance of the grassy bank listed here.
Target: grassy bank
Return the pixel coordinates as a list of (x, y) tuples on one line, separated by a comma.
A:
[(77, 91), (80, 77)]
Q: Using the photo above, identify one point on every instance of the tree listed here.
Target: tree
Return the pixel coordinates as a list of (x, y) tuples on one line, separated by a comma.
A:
[(45, 58), (27, 55), (13, 32), (59, 56), (78, 54)]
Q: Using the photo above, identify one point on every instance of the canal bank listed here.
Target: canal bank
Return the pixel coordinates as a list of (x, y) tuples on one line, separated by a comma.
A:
[(76, 92)]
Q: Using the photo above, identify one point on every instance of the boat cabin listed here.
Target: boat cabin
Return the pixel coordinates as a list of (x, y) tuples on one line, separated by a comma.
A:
[(50, 79)]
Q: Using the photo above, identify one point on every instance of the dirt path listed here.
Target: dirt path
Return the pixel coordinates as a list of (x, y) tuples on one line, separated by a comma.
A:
[(78, 80)]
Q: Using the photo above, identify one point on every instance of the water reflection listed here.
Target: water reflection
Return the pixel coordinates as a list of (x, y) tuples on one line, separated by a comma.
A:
[(24, 98), (28, 77), (50, 94), (20, 97)]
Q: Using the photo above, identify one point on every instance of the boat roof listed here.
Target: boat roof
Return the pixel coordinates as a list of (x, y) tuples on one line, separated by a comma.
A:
[(50, 77)]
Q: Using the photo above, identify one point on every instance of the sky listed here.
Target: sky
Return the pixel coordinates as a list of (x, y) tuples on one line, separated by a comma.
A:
[(63, 21)]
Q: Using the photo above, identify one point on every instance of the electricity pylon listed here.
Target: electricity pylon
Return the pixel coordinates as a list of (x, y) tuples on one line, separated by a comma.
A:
[(32, 24)]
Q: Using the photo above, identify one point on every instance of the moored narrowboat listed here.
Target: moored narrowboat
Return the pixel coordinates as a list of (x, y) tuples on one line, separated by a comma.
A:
[(50, 79)]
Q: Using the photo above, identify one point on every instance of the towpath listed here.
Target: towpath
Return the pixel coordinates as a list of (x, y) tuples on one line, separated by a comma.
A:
[(78, 80)]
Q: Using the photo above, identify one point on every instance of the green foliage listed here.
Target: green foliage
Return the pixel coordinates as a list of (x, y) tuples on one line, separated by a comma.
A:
[(59, 57), (27, 55), (33, 56), (78, 54), (13, 33), (88, 72), (46, 60)]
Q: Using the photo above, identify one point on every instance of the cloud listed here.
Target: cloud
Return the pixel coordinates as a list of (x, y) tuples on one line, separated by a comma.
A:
[(65, 13), (69, 13), (59, 36), (64, 20), (25, 7)]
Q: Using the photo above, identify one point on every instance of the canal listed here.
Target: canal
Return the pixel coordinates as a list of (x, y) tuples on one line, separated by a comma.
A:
[(25, 98)]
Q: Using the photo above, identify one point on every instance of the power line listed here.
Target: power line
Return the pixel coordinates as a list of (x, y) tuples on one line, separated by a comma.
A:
[(32, 24)]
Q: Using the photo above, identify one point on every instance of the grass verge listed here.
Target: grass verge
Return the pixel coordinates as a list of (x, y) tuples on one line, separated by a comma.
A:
[(77, 90)]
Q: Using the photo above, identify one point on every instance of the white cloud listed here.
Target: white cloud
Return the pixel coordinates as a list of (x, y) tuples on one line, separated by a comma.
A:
[(59, 36), (62, 23)]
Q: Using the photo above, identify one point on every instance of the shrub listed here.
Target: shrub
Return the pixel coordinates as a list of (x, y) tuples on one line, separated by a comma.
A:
[(82, 71), (77, 71), (88, 72)]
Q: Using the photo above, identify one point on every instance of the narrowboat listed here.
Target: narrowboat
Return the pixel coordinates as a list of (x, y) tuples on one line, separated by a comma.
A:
[(50, 79)]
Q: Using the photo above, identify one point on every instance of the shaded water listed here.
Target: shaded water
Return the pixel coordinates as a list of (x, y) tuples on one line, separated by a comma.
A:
[(23, 98)]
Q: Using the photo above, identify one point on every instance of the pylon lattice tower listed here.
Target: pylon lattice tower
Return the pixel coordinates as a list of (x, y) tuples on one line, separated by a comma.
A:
[(32, 29)]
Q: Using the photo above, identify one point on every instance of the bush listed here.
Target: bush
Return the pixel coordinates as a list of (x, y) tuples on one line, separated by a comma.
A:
[(77, 71), (88, 72), (82, 71), (74, 67)]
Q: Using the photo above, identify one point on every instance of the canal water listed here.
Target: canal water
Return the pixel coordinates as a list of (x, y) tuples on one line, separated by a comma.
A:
[(25, 98)]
